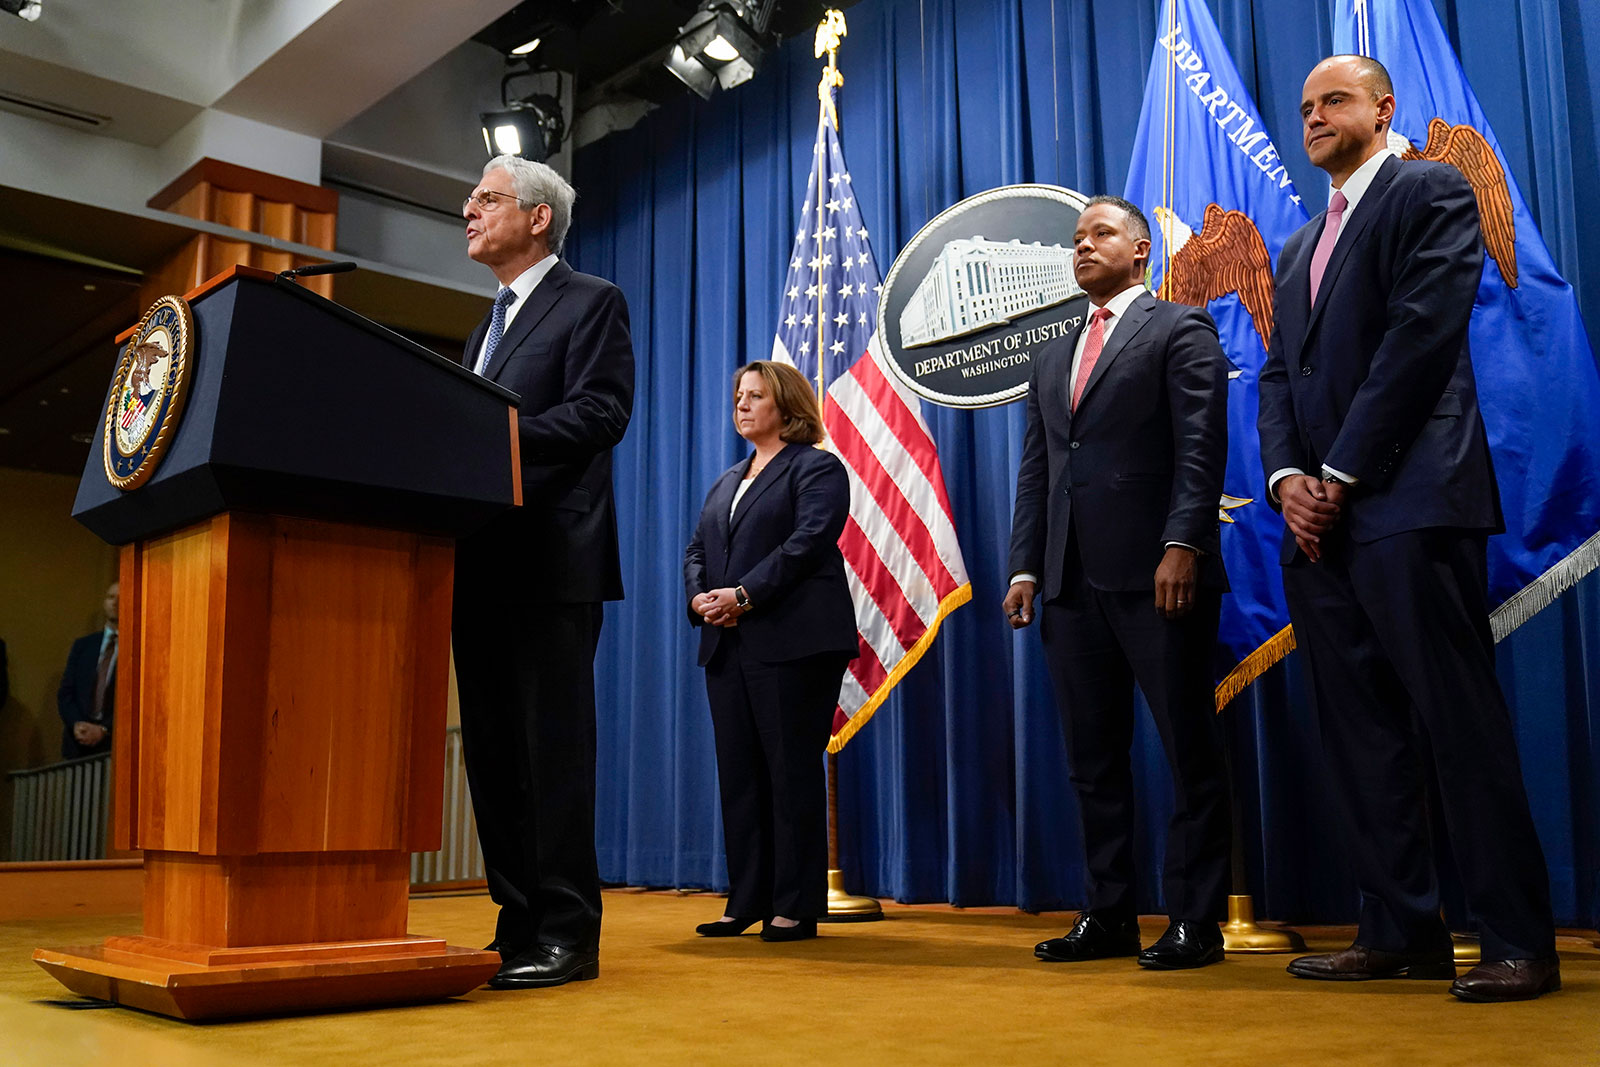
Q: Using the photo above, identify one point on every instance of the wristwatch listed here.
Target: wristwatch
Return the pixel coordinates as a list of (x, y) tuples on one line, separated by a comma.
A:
[(741, 598)]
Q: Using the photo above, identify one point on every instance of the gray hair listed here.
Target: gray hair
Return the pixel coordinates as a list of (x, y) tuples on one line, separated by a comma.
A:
[(538, 183)]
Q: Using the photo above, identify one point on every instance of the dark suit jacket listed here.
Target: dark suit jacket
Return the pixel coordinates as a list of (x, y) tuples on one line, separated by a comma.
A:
[(1375, 380), (1140, 463), (75, 698), (568, 354), (782, 545)]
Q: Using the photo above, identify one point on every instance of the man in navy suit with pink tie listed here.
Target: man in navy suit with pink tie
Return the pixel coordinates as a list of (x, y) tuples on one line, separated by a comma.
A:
[(1376, 454), (1116, 528)]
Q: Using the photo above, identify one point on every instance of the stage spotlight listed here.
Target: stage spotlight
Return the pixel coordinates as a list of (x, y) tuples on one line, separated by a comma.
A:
[(23, 9), (532, 128), (721, 45)]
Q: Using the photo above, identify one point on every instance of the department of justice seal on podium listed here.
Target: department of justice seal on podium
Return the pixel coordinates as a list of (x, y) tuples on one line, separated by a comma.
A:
[(147, 392)]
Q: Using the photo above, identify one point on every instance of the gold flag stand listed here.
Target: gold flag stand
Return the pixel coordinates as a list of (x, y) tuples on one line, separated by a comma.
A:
[(1241, 935), (843, 907)]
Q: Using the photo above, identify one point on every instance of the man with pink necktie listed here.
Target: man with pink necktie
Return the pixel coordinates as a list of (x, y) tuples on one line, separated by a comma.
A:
[(1376, 454), (1116, 510)]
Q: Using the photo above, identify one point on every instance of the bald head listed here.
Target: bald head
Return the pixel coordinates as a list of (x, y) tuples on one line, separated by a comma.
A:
[(1345, 111)]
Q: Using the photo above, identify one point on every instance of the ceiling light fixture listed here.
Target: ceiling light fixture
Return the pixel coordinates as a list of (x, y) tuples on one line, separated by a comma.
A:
[(533, 126), (721, 45), (29, 10), (525, 48)]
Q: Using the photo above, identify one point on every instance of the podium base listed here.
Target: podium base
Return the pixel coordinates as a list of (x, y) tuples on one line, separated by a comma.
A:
[(170, 979), (846, 907), (1241, 934)]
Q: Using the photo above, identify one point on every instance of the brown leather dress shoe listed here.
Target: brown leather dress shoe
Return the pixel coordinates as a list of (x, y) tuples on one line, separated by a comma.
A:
[(1358, 963), (1490, 983)]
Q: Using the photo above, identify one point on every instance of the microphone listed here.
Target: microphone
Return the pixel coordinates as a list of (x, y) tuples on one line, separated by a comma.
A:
[(317, 268)]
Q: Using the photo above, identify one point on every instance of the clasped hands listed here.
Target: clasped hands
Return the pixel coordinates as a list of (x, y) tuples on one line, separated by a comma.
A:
[(88, 733), (719, 607), (1311, 508)]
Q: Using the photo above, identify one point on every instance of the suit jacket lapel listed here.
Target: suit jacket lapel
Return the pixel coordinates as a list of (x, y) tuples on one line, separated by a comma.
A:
[(1058, 380), (1294, 295), (764, 480), (720, 501), (540, 301), (1132, 322), (1360, 222)]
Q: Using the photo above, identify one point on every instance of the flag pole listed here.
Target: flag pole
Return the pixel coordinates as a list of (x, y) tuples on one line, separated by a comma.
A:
[(843, 906)]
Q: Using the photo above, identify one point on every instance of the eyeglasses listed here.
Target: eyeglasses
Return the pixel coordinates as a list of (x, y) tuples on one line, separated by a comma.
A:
[(486, 201)]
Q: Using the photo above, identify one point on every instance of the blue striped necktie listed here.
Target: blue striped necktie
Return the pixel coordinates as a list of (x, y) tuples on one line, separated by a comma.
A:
[(497, 327)]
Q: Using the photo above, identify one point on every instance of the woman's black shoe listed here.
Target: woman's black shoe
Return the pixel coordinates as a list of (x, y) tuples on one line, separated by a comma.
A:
[(731, 928), (802, 931)]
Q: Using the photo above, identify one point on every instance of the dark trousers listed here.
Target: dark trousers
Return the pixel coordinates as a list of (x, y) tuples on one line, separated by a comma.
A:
[(772, 722), (1098, 644), (1401, 666), (526, 680)]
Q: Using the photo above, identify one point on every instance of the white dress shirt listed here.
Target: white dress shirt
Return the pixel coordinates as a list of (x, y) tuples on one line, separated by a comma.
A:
[(1354, 188), (522, 285)]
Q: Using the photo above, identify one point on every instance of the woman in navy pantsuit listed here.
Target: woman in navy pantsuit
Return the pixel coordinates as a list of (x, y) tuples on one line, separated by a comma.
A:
[(766, 583)]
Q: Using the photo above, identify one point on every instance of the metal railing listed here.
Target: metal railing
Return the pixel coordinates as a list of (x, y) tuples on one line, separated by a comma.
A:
[(459, 859), (61, 812)]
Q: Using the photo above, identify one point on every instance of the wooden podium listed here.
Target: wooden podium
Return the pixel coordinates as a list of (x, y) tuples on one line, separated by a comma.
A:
[(283, 662)]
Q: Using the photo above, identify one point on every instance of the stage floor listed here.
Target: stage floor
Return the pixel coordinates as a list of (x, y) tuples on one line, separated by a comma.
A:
[(929, 984)]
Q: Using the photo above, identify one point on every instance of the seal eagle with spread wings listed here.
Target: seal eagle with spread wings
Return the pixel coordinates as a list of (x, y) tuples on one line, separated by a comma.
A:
[(1226, 256), (1465, 149)]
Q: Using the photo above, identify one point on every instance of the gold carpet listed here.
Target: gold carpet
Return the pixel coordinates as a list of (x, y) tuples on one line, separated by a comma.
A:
[(927, 985)]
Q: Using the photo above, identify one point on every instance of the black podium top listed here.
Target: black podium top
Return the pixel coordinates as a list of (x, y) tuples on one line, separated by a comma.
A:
[(298, 406)]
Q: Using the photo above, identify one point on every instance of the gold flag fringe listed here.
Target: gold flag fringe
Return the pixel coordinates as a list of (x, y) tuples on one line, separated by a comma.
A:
[(1255, 665), (951, 602)]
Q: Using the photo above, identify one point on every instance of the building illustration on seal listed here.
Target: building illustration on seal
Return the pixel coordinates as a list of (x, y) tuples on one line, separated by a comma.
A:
[(975, 283)]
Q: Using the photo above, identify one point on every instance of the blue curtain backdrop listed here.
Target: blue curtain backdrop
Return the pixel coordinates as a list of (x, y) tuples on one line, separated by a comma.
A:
[(958, 790)]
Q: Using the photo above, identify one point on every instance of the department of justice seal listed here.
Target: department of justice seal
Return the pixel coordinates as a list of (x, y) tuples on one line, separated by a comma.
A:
[(147, 392), (978, 290)]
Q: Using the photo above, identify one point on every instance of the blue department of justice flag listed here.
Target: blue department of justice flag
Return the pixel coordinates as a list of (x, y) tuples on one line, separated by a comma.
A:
[(1538, 385), (1209, 176)]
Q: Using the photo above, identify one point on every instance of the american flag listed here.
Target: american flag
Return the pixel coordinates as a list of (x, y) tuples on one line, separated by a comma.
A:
[(900, 551)]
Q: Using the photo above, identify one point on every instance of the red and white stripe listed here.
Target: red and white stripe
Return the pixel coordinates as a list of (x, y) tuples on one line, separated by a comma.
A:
[(900, 549)]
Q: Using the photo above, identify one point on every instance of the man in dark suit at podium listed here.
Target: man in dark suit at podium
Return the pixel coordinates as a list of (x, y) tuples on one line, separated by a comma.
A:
[(1376, 453), (88, 690), (1117, 504), (530, 586)]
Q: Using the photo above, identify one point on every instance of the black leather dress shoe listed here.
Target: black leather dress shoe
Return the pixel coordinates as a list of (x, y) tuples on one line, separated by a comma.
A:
[(506, 949), (725, 927), (804, 930), (1092, 938), (1358, 963), (1490, 983), (546, 965), (1184, 945)]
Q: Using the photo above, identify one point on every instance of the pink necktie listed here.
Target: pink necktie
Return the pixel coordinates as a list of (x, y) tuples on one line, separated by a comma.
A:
[(1091, 351), (1325, 243)]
